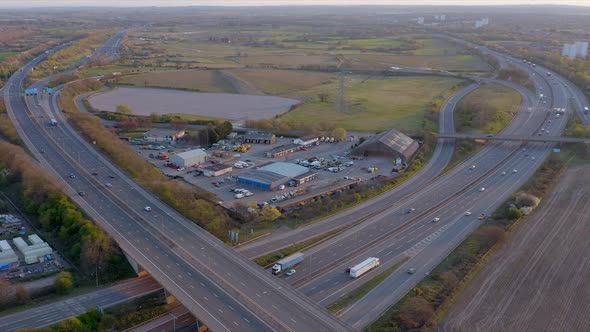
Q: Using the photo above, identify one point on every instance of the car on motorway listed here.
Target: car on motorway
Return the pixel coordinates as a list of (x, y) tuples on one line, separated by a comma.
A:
[(503, 173), (482, 189), (468, 213), (148, 208), (489, 135), (410, 210), (291, 272), (111, 176), (72, 176), (436, 219), (481, 216), (514, 170), (108, 185), (472, 167), (81, 193), (411, 270), (94, 173)]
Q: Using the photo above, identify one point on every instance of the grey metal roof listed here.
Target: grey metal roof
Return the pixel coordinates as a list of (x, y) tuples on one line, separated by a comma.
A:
[(285, 169), (262, 176), (395, 140)]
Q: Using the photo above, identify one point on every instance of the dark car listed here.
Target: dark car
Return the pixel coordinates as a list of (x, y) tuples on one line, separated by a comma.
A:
[(81, 193)]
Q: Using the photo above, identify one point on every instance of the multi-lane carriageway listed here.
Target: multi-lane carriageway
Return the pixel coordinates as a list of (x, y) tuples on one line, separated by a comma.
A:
[(226, 291), (193, 266), (393, 233)]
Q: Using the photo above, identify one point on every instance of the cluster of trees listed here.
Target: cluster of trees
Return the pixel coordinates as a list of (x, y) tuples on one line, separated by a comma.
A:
[(7, 129), (81, 241), (516, 75), (12, 294), (194, 203), (64, 283)]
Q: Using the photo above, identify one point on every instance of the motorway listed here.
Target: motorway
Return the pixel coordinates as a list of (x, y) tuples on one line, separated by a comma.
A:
[(54, 312), (221, 288), (430, 242), (394, 234)]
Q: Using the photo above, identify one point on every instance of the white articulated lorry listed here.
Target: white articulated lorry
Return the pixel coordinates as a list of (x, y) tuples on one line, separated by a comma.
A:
[(364, 267)]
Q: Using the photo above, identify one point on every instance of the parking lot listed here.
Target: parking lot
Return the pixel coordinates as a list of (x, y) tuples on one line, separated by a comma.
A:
[(224, 186)]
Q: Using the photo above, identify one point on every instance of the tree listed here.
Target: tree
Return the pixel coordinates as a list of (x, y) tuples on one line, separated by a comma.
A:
[(514, 213), (124, 109), (339, 134), (71, 324), (415, 312), (63, 283), (323, 97), (270, 213), (22, 294)]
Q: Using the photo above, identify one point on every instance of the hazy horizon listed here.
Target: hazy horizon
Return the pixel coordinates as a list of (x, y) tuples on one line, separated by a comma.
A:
[(175, 3)]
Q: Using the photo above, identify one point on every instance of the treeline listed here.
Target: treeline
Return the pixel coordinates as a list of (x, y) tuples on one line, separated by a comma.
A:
[(82, 242), (194, 203), (417, 310), (7, 129), (516, 75)]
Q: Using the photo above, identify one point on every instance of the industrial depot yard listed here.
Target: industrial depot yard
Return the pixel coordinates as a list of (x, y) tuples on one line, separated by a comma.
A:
[(235, 107), (256, 157), (540, 279)]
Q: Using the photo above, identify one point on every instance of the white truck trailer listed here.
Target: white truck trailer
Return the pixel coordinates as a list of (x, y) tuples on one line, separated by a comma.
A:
[(364, 267)]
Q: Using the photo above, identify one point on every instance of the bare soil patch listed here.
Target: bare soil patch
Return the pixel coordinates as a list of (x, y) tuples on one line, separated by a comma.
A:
[(540, 279), (145, 101)]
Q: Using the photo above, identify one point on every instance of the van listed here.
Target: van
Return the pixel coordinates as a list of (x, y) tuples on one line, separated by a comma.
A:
[(238, 196)]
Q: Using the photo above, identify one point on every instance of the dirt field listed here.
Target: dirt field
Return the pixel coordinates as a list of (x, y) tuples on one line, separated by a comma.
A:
[(540, 279), (234, 107)]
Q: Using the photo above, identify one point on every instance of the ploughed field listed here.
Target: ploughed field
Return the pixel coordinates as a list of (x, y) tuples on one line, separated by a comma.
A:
[(540, 279), (144, 101)]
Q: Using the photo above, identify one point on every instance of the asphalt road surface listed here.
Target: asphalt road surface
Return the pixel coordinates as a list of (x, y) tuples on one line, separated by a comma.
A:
[(57, 311), (540, 279), (223, 289)]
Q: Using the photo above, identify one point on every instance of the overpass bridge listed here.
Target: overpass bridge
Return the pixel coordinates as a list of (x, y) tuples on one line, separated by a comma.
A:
[(544, 139)]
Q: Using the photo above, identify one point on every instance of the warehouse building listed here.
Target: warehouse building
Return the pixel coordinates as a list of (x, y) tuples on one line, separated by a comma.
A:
[(7, 255), (306, 140), (271, 176), (391, 144), (216, 170), (253, 137), (188, 158), (36, 251), (303, 178), (283, 150), (162, 135)]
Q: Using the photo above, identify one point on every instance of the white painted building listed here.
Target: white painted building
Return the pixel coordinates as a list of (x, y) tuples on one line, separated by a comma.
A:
[(7, 254), (482, 22), (188, 158), (575, 50), (36, 251)]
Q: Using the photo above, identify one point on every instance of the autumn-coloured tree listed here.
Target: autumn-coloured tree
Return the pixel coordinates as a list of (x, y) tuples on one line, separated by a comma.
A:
[(415, 312)]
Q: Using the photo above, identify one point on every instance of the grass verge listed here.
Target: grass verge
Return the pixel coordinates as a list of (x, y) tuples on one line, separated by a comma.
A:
[(356, 294)]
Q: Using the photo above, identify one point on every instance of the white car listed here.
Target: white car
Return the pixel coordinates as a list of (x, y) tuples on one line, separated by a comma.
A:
[(472, 167), (514, 170), (482, 189), (436, 219), (148, 208), (468, 213)]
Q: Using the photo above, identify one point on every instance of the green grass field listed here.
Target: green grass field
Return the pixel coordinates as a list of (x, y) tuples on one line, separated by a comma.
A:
[(4, 55), (487, 110), (373, 104), (199, 80), (282, 82)]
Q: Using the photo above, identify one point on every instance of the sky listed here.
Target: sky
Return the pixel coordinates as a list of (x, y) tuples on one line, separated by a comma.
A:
[(133, 3)]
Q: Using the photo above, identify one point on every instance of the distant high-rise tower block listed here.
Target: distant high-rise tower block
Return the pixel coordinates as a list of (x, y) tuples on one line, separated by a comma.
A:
[(575, 50)]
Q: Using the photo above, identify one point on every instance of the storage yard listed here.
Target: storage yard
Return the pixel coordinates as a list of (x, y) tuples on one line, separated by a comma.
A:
[(23, 254), (236, 171)]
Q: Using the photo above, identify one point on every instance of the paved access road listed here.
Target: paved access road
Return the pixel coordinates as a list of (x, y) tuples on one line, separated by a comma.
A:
[(540, 279), (223, 289), (54, 312)]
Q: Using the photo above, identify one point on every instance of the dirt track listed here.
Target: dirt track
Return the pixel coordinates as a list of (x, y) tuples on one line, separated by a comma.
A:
[(540, 279), (145, 101)]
